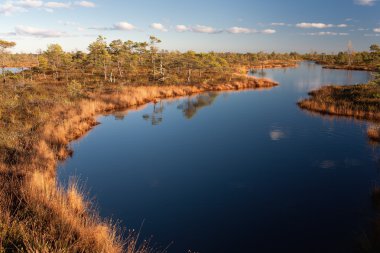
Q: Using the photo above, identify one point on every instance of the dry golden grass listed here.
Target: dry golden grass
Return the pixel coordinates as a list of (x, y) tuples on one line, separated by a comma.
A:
[(358, 101), (37, 215)]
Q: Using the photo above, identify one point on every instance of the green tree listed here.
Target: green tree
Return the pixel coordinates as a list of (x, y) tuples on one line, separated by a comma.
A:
[(4, 46), (375, 53), (43, 64), (54, 55), (153, 41), (99, 55)]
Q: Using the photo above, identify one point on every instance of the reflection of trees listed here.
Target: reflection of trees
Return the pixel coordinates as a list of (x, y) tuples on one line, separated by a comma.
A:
[(119, 115), (156, 116), (258, 73), (191, 106)]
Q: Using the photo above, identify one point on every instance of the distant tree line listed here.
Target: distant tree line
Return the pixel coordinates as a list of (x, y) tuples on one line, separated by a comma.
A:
[(132, 62), (367, 60)]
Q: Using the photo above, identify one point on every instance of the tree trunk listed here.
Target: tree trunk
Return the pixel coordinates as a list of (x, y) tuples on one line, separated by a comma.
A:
[(105, 70), (3, 73), (120, 70)]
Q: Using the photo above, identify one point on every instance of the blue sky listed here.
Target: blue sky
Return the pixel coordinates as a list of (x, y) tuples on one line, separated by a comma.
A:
[(218, 25)]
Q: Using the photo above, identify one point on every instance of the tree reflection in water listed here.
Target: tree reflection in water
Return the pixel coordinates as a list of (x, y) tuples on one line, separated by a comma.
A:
[(156, 116), (189, 107)]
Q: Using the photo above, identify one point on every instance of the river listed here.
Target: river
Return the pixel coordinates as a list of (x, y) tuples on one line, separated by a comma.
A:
[(243, 171)]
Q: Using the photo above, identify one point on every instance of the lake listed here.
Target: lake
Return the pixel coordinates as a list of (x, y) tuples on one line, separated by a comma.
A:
[(13, 70), (243, 171)]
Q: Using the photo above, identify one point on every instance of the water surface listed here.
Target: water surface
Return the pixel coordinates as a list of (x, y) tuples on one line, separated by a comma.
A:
[(235, 171), (13, 70)]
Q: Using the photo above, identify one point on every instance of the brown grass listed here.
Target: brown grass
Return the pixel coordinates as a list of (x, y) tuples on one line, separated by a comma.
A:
[(270, 64), (37, 215), (357, 101), (374, 133)]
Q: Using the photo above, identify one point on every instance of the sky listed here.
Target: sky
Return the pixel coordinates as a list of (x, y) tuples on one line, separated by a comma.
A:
[(199, 25)]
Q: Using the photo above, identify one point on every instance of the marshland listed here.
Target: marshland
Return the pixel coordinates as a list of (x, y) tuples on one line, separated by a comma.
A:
[(262, 136)]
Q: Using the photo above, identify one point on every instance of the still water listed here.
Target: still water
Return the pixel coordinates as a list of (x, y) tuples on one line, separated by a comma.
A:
[(236, 171), (13, 70)]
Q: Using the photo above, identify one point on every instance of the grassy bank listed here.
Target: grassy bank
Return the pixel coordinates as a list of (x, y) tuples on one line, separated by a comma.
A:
[(349, 59), (359, 101), (350, 67), (38, 122)]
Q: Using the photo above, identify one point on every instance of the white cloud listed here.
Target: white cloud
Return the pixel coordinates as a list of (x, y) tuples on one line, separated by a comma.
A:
[(36, 32), (365, 2), (9, 8), (205, 29), (56, 5), (30, 3), (182, 28), (124, 26), (268, 31), (278, 24), (314, 25), (377, 30), (237, 30), (159, 27), (121, 26), (328, 34), (212, 30), (12, 6), (86, 4), (319, 25), (198, 29)]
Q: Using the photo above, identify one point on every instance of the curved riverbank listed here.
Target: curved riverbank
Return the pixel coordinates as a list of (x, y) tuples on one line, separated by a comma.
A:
[(38, 214), (357, 101), (347, 67)]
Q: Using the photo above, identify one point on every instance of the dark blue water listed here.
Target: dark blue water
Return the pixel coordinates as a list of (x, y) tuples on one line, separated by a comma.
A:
[(235, 172)]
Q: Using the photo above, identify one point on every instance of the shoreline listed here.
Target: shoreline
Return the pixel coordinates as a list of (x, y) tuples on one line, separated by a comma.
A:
[(353, 68), (134, 97), (33, 180), (353, 101)]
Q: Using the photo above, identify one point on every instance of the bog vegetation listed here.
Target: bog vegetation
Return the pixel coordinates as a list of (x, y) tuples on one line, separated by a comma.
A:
[(359, 101), (50, 98), (349, 59), (138, 63)]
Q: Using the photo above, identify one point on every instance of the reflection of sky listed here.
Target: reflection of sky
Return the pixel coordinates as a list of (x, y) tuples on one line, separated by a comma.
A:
[(234, 164), (327, 164), (310, 76), (277, 135), (13, 70)]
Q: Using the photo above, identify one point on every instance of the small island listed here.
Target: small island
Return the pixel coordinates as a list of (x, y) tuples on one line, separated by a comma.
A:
[(359, 101)]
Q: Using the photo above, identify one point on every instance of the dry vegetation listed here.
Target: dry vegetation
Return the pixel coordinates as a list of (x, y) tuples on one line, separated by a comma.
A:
[(55, 101), (38, 121), (360, 101), (349, 59)]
